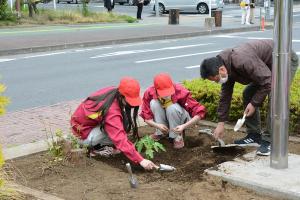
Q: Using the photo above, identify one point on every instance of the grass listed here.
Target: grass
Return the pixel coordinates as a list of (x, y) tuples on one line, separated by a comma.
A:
[(46, 16)]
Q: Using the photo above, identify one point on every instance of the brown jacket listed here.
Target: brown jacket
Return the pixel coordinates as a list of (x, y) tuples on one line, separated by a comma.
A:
[(248, 63)]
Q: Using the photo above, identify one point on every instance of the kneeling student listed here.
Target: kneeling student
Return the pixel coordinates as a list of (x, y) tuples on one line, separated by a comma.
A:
[(104, 119), (170, 108)]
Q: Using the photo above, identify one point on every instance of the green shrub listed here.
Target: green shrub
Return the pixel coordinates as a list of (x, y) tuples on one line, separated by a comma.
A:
[(208, 94), (5, 12)]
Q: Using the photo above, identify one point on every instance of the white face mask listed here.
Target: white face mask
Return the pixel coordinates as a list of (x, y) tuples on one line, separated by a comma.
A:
[(223, 79)]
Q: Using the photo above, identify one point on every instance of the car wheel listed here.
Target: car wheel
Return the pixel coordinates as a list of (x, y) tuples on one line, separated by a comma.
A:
[(161, 9), (121, 3), (203, 8)]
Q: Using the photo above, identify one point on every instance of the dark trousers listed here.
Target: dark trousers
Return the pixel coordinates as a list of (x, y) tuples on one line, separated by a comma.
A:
[(253, 123), (139, 10)]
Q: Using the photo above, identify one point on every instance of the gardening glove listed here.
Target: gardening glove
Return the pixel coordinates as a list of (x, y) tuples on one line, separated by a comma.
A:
[(148, 165), (219, 132)]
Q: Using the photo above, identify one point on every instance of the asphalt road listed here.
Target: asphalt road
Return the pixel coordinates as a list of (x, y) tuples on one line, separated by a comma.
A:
[(51, 77)]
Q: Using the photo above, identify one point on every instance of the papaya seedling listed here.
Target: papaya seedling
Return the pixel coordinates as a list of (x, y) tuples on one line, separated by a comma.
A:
[(148, 146)]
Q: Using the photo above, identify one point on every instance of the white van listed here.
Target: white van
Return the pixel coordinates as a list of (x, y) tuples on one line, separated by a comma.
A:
[(201, 6)]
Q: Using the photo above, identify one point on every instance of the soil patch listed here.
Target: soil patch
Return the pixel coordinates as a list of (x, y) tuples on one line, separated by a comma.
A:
[(99, 179)]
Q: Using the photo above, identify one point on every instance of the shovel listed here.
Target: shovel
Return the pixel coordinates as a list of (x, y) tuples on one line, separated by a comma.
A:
[(239, 123), (166, 168), (132, 180), (222, 147)]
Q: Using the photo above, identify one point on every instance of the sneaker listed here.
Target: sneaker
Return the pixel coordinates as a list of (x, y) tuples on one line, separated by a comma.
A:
[(264, 149), (252, 139), (156, 137), (178, 142)]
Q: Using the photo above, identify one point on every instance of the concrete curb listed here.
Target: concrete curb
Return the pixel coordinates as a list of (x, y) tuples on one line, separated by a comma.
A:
[(127, 40), (258, 179)]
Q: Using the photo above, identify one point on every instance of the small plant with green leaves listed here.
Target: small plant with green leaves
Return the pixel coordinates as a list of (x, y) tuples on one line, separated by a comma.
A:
[(55, 145), (74, 141), (148, 146)]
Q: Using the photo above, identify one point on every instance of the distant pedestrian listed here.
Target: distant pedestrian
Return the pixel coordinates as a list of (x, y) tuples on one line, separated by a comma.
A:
[(139, 4), (245, 6), (252, 8), (109, 5)]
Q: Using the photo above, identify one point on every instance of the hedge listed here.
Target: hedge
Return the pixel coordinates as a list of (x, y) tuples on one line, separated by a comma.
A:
[(208, 94)]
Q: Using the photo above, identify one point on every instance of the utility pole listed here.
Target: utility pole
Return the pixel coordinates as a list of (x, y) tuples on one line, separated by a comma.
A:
[(156, 8), (54, 4), (281, 83)]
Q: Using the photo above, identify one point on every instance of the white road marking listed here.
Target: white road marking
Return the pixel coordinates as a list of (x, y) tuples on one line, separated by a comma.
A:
[(118, 53), (43, 55), (181, 56), (5, 60), (249, 38), (192, 67)]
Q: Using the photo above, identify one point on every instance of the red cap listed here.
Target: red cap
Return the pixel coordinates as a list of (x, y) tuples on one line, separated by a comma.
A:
[(130, 89), (164, 85)]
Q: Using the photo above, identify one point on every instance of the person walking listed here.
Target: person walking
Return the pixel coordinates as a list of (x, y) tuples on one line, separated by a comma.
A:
[(245, 6), (170, 109), (140, 5), (249, 64), (252, 9), (109, 5), (103, 120)]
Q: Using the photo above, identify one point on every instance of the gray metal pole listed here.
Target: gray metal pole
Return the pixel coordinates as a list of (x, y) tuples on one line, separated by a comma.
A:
[(280, 83), (156, 8)]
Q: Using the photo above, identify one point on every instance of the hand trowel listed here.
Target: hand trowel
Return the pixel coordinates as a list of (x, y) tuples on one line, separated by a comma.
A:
[(222, 146), (166, 168), (239, 123), (132, 180)]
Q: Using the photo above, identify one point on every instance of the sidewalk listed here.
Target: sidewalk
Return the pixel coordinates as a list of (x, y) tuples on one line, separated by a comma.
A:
[(45, 38)]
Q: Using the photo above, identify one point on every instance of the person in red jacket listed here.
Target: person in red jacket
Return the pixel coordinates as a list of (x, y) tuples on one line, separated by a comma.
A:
[(104, 119), (170, 108)]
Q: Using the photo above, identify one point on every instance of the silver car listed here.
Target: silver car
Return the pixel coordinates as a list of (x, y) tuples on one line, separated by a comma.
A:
[(200, 6)]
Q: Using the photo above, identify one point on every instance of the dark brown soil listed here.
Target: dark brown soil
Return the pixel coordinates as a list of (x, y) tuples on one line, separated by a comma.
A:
[(190, 162), (102, 179)]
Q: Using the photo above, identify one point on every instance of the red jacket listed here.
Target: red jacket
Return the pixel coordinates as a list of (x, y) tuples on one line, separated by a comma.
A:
[(182, 96), (113, 125)]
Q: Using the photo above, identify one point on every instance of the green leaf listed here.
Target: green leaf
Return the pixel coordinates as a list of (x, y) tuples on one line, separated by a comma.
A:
[(149, 153)]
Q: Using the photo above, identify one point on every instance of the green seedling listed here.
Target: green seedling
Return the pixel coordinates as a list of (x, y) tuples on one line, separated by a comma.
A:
[(55, 145), (148, 146)]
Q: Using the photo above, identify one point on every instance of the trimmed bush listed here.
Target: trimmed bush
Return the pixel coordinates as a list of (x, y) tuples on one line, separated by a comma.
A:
[(208, 94)]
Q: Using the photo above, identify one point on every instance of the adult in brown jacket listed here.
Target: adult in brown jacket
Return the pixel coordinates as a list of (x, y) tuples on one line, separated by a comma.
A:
[(249, 64)]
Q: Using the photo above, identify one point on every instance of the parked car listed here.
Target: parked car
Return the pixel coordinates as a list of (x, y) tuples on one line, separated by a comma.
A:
[(202, 6)]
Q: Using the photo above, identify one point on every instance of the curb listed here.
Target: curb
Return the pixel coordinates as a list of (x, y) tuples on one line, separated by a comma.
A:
[(127, 40)]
